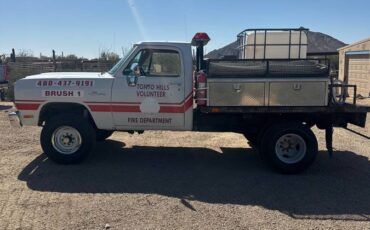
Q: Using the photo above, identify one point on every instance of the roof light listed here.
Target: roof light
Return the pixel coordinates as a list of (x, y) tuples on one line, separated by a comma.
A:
[(200, 39)]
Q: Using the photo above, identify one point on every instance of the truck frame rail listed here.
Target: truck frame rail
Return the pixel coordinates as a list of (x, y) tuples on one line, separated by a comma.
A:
[(339, 114)]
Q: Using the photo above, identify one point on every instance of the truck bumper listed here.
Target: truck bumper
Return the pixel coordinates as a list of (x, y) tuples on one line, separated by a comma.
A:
[(14, 119)]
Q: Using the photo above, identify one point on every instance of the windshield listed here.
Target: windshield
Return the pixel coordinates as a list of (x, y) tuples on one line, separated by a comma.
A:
[(120, 62)]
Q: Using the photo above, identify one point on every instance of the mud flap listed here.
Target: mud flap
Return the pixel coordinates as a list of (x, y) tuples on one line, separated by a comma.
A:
[(329, 139)]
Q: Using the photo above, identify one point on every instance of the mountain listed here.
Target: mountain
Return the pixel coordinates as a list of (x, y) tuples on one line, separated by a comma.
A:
[(320, 42), (317, 42), (228, 50)]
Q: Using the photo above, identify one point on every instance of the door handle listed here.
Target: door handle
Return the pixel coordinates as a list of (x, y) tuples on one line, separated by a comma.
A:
[(237, 87), (297, 86)]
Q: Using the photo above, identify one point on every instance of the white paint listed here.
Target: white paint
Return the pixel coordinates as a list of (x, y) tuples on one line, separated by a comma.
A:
[(149, 105)]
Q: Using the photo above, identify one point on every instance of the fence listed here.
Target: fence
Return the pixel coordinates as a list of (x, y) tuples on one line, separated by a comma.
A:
[(20, 69), (59, 66), (3, 73)]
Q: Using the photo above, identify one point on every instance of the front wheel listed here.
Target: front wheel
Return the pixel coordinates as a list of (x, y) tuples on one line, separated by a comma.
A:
[(67, 139), (289, 147)]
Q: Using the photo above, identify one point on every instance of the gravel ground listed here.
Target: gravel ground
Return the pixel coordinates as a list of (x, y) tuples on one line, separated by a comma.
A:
[(180, 180)]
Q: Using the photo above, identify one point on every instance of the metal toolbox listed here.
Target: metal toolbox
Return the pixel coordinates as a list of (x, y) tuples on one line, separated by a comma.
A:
[(298, 93), (236, 93), (267, 92)]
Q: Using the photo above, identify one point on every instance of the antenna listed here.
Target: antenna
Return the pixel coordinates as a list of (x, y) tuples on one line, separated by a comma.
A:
[(186, 27)]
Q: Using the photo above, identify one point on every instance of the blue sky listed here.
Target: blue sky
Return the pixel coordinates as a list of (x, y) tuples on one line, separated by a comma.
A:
[(83, 27)]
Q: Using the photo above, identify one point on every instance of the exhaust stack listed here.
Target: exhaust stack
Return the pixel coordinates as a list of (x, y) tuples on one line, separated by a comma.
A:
[(199, 40)]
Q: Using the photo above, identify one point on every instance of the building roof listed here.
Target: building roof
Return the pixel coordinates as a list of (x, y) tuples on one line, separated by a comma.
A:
[(354, 44)]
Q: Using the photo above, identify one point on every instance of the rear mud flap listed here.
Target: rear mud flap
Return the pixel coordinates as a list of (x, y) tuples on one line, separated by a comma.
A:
[(329, 139)]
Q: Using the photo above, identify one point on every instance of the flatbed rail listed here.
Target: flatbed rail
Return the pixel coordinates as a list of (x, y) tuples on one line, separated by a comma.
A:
[(337, 115)]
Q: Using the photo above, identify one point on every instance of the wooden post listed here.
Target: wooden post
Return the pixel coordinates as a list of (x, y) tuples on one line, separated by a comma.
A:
[(12, 55), (54, 61)]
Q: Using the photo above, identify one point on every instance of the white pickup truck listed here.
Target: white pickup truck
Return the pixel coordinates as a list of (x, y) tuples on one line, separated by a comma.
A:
[(157, 87)]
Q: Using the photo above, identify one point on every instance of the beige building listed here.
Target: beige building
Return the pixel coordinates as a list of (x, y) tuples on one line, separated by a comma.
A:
[(354, 66)]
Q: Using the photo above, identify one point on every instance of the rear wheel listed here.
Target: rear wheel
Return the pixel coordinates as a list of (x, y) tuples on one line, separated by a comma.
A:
[(289, 147), (67, 139)]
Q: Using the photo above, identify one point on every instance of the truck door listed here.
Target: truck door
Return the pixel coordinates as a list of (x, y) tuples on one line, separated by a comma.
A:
[(156, 99)]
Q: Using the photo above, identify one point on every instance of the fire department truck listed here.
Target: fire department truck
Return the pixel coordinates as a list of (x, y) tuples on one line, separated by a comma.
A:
[(272, 94)]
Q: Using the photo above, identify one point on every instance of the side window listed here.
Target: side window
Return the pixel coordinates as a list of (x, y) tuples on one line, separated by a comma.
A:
[(165, 63), (145, 63), (156, 63), (139, 58)]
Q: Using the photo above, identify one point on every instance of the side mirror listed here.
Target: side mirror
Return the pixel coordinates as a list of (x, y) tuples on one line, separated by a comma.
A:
[(130, 70), (135, 69), (134, 74)]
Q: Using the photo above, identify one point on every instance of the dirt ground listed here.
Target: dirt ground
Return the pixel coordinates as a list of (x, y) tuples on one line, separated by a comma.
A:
[(180, 180)]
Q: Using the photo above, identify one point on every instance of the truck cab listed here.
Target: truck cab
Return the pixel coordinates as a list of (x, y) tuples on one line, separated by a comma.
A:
[(149, 89), (153, 88)]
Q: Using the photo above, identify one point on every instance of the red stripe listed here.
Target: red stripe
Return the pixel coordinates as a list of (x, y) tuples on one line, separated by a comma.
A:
[(135, 108), (22, 106), (126, 108), (188, 104), (186, 98), (137, 103), (100, 108), (177, 109), (114, 108)]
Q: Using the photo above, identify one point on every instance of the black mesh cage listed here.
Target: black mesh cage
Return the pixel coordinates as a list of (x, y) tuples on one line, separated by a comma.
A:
[(268, 68)]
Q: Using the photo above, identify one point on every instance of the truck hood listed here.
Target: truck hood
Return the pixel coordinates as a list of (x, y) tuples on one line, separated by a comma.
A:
[(69, 75)]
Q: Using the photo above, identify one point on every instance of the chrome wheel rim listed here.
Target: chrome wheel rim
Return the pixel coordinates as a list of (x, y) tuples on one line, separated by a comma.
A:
[(290, 148), (66, 140)]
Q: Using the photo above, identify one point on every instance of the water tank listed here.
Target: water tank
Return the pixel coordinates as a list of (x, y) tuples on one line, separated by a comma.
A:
[(273, 43)]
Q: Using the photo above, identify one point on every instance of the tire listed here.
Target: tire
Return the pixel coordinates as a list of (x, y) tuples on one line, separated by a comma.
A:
[(101, 134), (289, 147), (67, 139)]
